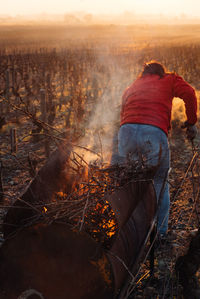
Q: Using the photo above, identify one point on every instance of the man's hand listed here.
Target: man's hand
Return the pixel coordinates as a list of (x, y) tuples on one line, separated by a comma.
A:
[(191, 131)]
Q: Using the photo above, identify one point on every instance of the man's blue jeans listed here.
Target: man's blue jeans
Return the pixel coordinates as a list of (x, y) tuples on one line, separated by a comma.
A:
[(149, 145)]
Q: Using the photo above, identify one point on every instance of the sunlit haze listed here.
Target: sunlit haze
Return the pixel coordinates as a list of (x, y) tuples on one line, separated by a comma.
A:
[(23, 7)]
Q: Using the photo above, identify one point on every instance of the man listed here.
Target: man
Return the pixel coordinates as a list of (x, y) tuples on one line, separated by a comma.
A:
[(145, 123)]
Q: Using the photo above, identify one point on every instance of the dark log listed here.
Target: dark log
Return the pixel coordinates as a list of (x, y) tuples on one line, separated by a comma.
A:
[(135, 207), (56, 262), (186, 267)]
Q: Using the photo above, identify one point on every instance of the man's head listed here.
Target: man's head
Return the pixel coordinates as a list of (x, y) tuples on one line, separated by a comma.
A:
[(153, 68)]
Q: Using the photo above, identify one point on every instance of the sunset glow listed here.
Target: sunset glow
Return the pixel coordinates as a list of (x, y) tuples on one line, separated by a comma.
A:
[(170, 7)]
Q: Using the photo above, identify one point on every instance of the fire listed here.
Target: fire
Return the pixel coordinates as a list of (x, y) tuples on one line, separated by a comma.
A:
[(84, 202)]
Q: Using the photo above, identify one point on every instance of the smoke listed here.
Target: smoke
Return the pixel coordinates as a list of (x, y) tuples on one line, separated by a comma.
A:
[(104, 122)]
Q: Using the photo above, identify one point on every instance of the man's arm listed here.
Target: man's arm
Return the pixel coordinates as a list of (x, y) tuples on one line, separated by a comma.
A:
[(186, 92)]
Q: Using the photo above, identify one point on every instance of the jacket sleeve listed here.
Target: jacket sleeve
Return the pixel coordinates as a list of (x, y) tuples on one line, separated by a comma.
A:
[(186, 92)]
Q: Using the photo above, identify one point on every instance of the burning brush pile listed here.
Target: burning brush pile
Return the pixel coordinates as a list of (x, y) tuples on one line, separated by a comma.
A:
[(84, 206)]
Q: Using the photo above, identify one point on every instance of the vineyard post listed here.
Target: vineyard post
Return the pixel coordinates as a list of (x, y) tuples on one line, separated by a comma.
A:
[(13, 77), (13, 138), (43, 106), (1, 182), (7, 91), (1, 108), (49, 91)]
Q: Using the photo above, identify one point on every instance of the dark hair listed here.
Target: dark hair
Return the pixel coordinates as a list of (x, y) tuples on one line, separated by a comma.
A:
[(153, 68)]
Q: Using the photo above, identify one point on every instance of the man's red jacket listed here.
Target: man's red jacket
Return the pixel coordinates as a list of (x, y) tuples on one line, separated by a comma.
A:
[(149, 101)]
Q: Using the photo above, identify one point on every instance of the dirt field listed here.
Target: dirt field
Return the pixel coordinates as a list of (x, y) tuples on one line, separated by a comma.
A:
[(98, 65)]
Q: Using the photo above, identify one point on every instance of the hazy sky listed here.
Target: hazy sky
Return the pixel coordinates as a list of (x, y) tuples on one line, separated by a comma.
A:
[(174, 7)]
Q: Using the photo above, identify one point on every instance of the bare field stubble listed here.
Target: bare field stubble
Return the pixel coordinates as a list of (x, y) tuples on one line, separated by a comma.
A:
[(59, 83)]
